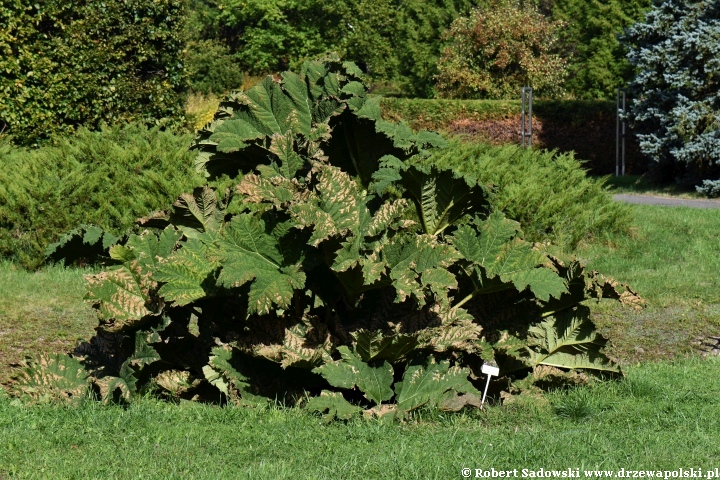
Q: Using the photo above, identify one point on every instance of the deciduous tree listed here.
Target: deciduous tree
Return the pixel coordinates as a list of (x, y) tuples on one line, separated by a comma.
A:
[(498, 49)]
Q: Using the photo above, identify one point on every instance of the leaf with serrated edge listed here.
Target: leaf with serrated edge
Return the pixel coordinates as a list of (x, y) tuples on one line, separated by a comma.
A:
[(336, 210), (334, 404), (118, 293), (197, 212), (374, 345), (144, 354), (569, 340), (248, 254), (220, 372), (52, 377), (426, 384), (185, 273), (351, 371), (502, 255)]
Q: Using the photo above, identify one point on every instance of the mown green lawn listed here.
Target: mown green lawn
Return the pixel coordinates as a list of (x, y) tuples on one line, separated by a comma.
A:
[(41, 311), (664, 415), (672, 259)]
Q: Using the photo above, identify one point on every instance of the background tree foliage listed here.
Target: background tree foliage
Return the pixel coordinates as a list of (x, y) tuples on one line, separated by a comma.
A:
[(66, 64), (676, 107), (500, 48), (394, 42), (596, 60)]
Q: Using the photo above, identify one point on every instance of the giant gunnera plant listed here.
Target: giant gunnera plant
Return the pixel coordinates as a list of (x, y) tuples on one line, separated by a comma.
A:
[(334, 272)]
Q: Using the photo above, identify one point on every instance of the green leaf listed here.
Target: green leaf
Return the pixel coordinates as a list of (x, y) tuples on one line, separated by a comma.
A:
[(283, 145), (487, 247), (413, 260), (148, 248), (197, 212), (334, 404), (427, 384), (235, 134), (86, 243), (248, 254), (376, 346), (268, 109), (185, 273), (50, 377), (583, 284), (126, 383), (388, 172), (221, 373), (441, 197), (144, 354), (275, 289), (569, 340), (501, 255), (351, 371), (122, 253), (520, 264)]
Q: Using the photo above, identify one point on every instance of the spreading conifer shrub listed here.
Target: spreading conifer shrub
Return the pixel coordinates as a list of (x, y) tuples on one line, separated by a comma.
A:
[(549, 193), (107, 178), (334, 270)]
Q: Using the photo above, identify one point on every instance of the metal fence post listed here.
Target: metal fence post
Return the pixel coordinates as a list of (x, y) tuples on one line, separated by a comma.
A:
[(526, 117), (620, 134)]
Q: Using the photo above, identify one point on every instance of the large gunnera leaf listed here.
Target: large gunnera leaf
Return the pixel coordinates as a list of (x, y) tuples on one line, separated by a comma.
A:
[(197, 212), (334, 404), (55, 377), (186, 273), (248, 254), (430, 383), (497, 253), (87, 244), (222, 374), (258, 124), (289, 341), (374, 345), (323, 114), (124, 386), (351, 371), (441, 197), (122, 293), (568, 340)]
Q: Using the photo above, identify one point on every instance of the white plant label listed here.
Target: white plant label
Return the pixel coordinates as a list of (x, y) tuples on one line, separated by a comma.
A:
[(490, 371)]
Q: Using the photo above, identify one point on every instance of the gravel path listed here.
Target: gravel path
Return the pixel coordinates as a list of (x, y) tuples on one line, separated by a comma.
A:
[(666, 201)]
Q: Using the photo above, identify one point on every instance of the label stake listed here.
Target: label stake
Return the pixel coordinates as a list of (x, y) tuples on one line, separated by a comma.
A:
[(490, 371)]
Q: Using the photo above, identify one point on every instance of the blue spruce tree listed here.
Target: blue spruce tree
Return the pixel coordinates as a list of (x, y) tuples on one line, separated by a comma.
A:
[(676, 107)]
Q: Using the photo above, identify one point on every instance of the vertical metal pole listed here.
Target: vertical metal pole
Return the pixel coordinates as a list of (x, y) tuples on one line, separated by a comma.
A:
[(526, 117), (617, 134), (530, 115), (623, 134), (522, 116)]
